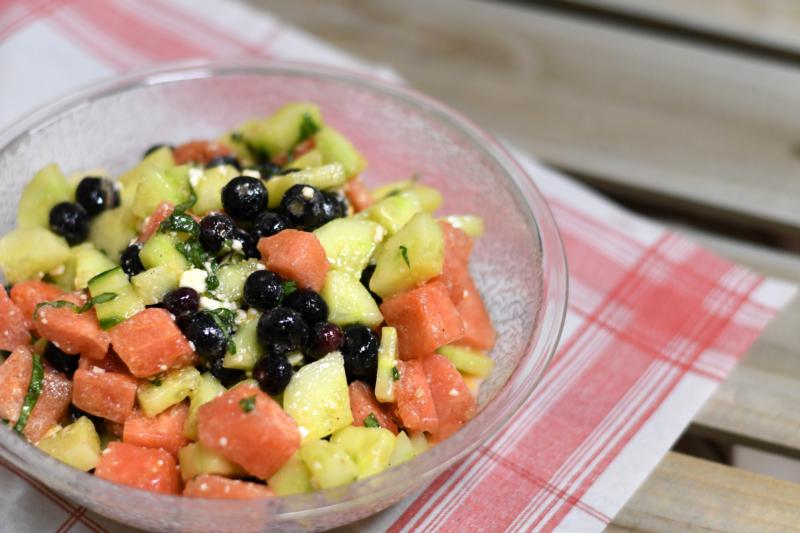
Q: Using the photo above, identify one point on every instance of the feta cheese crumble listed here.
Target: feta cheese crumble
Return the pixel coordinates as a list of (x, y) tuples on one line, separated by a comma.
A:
[(194, 278)]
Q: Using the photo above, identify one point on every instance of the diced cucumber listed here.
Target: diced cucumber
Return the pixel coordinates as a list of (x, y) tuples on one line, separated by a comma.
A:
[(248, 349), (65, 278), (47, 188), (159, 159), (317, 398), (369, 448), (322, 178), (309, 159), (336, 148), (394, 211), (473, 383), (170, 185), (89, 262), (126, 304), (472, 225), (349, 243), (159, 250), (349, 302), (235, 139), (413, 255), (174, 387), (111, 231), (231, 279), (154, 283), (30, 253), (419, 442), (387, 366), (77, 445), (330, 466), (280, 132), (403, 450), (467, 360), (207, 389), (209, 188), (294, 477), (429, 198), (195, 460)]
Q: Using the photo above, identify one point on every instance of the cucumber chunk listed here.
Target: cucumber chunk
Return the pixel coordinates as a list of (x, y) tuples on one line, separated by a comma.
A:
[(280, 132), (231, 279), (294, 477), (387, 366), (77, 445), (349, 302), (209, 188), (419, 442), (126, 304), (468, 361), (160, 159), (154, 283), (369, 448), (330, 466), (30, 253), (335, 148), (403, 450), (323, 178), (170, 185), (89, 262), (159, 250), (248, 348), (318, 399), (111, 231), (195, 460), (174, 387), (394, 211), (349, 243), (472, 225), (412, 256), (310, 159), (48, 187), (429, 198), (208, 388)]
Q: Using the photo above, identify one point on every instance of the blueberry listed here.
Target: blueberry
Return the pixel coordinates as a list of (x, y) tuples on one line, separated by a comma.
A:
[(129, 259), (249, 244), (366, 276), (325, 338), (268, 170), (333, 206), (182, 302), (263, 290), (210, 341), (282, 330), (244, 198), (268, 224), (63, 362), (97, 194), (156, 147), (309, 304), (224, 160), (360, 351), (273, 373), (70, 221), (302, 205), (227, 376), (215, 229)]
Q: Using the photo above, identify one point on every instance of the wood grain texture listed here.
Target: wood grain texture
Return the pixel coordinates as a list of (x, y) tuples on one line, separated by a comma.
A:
[(643, 116), (688, 494)]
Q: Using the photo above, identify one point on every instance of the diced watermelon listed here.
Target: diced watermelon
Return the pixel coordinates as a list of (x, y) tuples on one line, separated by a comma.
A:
[(415, 404), (358, 195), (143, 468), (72, 332), (246, 426), (218, 487), (478, 330), (151, 223), (199, 152), (164, 430), (455, 272), (51, 406), (104, 388), (14, 325), (425, 319), (296, 255), (28, 294), (150, 342), (454, 402), (363, 403), (15, 375)]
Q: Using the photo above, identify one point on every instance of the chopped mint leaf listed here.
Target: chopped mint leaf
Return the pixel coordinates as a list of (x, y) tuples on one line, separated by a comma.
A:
[(307, 128), (99, 299), (32, 396), (248, 404), (371, 421), (156, 382), (288, 288), (237, 136), (231, 346), (404, 253), (212, 282), (181, 223), (395, 374), (56, 303)]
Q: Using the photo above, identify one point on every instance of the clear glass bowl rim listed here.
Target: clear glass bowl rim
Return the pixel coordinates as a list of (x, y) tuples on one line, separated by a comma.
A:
[(489, 421)]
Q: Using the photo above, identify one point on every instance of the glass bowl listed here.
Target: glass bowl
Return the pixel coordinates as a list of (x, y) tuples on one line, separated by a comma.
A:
[(518, 264)]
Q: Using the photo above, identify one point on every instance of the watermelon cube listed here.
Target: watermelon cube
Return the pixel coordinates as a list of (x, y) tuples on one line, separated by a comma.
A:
[(455, 272), (358, 195), (425, 319), (454, 402), (363, 403), (246, 426), (15, 375), (72, 332), (296, 255), (51, 406), (478, 330), (104, 388), (165, 430), (14, 325), (151, 223), (150, 343), (143, 468), (28, 294), (415, 405), (218, 487)]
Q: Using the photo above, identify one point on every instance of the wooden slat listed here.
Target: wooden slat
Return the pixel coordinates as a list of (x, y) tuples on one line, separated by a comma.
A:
[(775, 23), (647, 117), (688, 494)]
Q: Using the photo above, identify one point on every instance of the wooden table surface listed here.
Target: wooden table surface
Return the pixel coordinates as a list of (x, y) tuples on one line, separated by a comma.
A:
[(685, 109)]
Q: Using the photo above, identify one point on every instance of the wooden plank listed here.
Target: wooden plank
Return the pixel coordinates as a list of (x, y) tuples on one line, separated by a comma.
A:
[(774, 23), (689, 494), (644, 116)]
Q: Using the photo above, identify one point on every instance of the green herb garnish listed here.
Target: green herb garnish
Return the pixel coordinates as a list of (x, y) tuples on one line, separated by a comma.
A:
[(101, 298), (307, 128), (371, 421), (56, 303), (155, 382), (182, 223), (288, 288), (34, 390), (248, 404), (237, 136), (404, 253), (231, 346), (395, 374)]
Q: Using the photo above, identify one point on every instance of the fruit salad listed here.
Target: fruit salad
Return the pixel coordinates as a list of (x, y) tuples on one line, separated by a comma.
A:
[(240, 317)]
